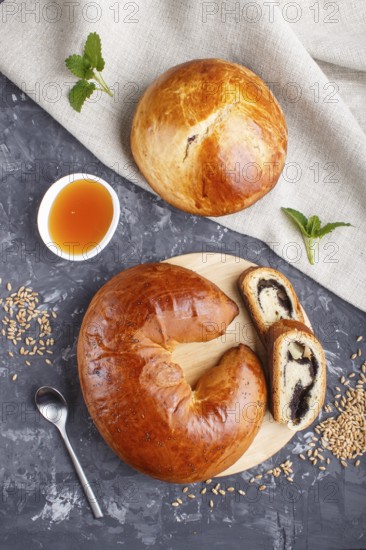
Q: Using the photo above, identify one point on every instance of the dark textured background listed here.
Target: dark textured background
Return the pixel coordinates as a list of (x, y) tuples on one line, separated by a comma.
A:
[(42, 505)]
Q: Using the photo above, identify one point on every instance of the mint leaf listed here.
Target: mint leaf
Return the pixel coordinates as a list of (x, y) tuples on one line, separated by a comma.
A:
[(79, 93), (93, 51), (299, 219), (313, 226), (79, 66), (83, 67), (329, 227), (311, 229)]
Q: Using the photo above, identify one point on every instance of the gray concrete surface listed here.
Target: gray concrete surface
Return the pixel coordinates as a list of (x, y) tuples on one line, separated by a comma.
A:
[(41, 502)]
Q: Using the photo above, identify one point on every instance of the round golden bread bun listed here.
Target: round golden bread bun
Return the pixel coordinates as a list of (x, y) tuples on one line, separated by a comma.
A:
[(209, 137), (138, 396)]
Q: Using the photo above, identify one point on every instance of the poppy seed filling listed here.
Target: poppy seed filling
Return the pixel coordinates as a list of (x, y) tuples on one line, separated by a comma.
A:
[(299, 404), (274, 291)]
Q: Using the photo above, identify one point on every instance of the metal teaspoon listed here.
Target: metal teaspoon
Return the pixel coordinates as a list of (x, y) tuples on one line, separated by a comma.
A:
[(53, 407)]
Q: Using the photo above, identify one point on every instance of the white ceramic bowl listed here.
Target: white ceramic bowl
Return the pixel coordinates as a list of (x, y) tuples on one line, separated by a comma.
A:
[(45, 208)]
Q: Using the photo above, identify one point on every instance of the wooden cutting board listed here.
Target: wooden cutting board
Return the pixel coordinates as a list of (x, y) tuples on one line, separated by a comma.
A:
[(224, 271)]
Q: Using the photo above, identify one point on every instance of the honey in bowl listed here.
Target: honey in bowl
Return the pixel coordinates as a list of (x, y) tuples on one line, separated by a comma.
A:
[(80, 216)]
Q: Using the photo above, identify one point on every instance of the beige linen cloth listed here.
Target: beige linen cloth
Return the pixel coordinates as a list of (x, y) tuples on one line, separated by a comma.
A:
[(312, 54)]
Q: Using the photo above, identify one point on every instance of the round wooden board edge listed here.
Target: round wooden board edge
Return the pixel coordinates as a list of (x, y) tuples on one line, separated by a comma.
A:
[(235, 468)]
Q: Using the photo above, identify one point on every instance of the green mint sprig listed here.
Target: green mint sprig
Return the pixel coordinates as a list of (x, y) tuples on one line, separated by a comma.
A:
[(311, 229), (87, 67)]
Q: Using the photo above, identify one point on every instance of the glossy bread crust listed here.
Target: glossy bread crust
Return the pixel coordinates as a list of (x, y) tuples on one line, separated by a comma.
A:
[(138, 397), (209, 137)]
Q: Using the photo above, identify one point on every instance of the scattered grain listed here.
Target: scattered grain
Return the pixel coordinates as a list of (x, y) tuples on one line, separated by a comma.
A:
[(21, 313), (343, 434)]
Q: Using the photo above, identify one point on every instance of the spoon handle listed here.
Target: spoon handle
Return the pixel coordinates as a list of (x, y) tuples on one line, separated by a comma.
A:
[(92, 499)]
